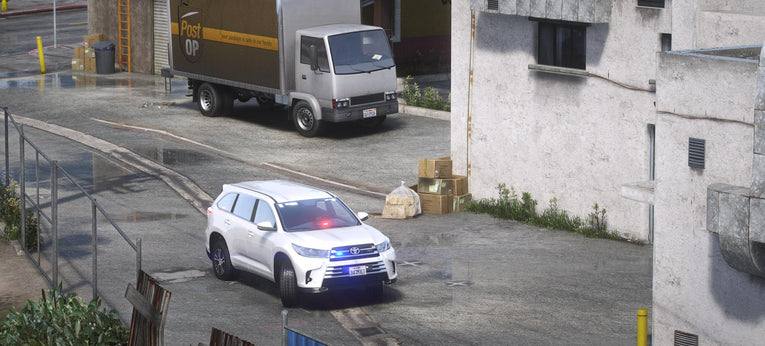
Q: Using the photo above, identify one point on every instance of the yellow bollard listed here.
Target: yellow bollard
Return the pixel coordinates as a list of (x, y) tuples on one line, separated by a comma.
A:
[(40, 53), (642, 327), (5, 6)]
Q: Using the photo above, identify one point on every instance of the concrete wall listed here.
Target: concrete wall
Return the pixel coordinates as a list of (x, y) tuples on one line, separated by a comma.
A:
[(103, 18), (573, 138), (695, 290)]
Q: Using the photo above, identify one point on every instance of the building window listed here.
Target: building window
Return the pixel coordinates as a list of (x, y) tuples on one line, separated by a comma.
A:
[(666, 42), (562, 45), (651, 3)]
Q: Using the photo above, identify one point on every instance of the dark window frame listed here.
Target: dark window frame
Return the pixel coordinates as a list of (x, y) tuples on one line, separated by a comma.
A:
[(562, 44)]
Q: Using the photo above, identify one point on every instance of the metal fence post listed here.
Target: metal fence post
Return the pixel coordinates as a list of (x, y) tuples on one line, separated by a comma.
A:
[(138, 261), (22, 183), (285, 338), (54, 216), (95, 249), (7, 161)]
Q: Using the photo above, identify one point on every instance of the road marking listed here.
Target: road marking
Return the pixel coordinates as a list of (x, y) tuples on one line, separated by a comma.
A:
[(457, 283), (411, 264)]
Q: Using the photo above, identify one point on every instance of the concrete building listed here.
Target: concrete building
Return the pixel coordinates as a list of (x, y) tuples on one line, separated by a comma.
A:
[(630, 104)]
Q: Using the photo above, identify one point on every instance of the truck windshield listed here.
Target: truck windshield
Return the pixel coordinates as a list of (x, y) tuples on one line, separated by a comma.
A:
[(315, 214), (360, 52)]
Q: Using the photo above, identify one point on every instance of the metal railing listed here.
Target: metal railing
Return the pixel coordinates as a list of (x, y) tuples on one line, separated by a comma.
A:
[(51, 217)]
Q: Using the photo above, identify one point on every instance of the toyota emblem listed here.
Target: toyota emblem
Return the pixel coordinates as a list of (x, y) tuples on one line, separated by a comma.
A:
[(355, 250)]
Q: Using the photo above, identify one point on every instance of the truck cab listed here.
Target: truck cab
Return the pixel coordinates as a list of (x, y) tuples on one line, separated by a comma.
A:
[(343, 72)]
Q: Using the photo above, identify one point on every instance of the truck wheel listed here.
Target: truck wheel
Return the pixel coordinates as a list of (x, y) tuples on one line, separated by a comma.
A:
[(305, 119), (221, 261), (288, 285), (214, 100)]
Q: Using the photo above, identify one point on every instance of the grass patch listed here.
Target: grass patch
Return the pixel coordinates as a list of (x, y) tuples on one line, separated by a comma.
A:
[(10, 214), (524, 209)]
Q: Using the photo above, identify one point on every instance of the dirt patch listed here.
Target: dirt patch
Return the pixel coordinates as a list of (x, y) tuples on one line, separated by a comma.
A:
[(21, 280)]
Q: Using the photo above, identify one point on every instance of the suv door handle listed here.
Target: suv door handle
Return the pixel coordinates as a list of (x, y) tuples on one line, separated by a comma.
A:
[(227, 222), (249, 234)]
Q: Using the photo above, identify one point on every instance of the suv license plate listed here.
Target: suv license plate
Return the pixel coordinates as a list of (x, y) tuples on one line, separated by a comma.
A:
[(371, 112), (357, 271)]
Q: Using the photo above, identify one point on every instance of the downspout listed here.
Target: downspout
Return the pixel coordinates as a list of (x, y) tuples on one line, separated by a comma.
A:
[(651, 177), (470, 94)]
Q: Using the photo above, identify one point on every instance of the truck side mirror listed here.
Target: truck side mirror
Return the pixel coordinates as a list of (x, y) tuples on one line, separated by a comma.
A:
[(314, 56)]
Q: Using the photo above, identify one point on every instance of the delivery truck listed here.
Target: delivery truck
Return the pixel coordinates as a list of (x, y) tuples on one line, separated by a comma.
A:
[(315, 57)]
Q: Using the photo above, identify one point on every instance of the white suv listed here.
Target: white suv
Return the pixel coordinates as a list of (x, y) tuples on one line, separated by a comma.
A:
[(302, 238)]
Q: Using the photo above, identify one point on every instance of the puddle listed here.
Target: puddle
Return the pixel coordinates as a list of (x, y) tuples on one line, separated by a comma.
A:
[(173, 156), (146, 216), (69, 80), (177, 275)]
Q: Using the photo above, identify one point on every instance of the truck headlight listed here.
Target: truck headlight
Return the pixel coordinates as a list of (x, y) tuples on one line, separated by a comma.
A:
[(384, 246), (309, 252), (341, 103)]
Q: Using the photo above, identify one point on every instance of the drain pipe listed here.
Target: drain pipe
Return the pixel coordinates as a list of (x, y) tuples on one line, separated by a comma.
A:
[(470, 94), (651, 176)]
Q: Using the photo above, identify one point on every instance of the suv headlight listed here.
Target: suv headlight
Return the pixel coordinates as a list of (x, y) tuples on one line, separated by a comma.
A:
[(309, 252), (384, 246)]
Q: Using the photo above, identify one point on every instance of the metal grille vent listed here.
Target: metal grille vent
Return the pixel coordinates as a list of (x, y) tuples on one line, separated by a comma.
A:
[(696, 149), (686, 339), (492, 5), (360, 100), (651, 3)]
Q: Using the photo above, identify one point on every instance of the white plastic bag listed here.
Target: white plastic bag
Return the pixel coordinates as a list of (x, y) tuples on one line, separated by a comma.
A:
[(401, 203)]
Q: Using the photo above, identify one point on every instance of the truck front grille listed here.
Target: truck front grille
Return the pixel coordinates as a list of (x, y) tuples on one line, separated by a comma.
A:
[(353, 252), (342, 271), (360, 100)]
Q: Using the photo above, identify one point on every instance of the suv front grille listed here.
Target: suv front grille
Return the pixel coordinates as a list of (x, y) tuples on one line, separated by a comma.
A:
[(353, 252), (342, 271), (360, 100)]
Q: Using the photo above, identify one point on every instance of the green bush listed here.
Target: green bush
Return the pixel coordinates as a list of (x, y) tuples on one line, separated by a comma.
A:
[(59, 319), (10, 214), (508, 206), (427, 98)]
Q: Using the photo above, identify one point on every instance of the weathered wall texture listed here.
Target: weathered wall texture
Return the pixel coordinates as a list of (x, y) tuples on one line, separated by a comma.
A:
[(695, 290), (103, 18), (573, 138)]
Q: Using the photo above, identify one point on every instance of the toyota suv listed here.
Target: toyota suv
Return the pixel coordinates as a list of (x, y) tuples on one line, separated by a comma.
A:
[(302, 238)]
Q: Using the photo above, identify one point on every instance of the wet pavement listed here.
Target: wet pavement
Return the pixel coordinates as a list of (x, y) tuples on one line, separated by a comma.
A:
[(464, 278)]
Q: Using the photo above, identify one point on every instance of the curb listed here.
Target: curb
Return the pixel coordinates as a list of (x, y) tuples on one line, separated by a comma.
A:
[(424, 112), (17, 247), (41, 9)]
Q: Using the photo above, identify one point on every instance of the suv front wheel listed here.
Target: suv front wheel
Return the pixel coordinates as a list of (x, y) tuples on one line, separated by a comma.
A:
[(288, 285)]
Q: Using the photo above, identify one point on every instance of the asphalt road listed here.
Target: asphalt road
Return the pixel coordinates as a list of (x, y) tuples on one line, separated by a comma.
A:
[(464, 278), (18, 33)]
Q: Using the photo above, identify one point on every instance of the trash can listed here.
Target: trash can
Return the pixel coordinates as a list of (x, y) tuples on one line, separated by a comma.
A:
[(104, 57)]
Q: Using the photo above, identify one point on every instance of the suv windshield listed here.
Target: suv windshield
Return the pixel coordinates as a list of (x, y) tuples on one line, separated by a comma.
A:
[(359, 52), (315, 214)]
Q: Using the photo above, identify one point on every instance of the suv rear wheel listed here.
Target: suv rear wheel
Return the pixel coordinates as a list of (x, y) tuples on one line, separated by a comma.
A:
[(288, 285), (221, 261)]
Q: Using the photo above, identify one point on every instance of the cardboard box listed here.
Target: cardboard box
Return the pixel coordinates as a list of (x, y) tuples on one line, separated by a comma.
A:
[(459, 202), (452, 186), (434, 204), (77, 65), (435, 168), (92, 65), (399, 207), (90, 40), (79, 52)]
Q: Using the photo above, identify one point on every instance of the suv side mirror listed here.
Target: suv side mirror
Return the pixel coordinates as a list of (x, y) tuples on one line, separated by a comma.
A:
[(314, 56), (363, 216), (266, 226)]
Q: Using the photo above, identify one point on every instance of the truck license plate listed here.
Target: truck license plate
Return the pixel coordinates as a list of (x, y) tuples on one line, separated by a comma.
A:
[(357, 271), (371, 112)]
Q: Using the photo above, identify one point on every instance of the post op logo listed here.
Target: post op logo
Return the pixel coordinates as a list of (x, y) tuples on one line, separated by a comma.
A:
[(190, 32)]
